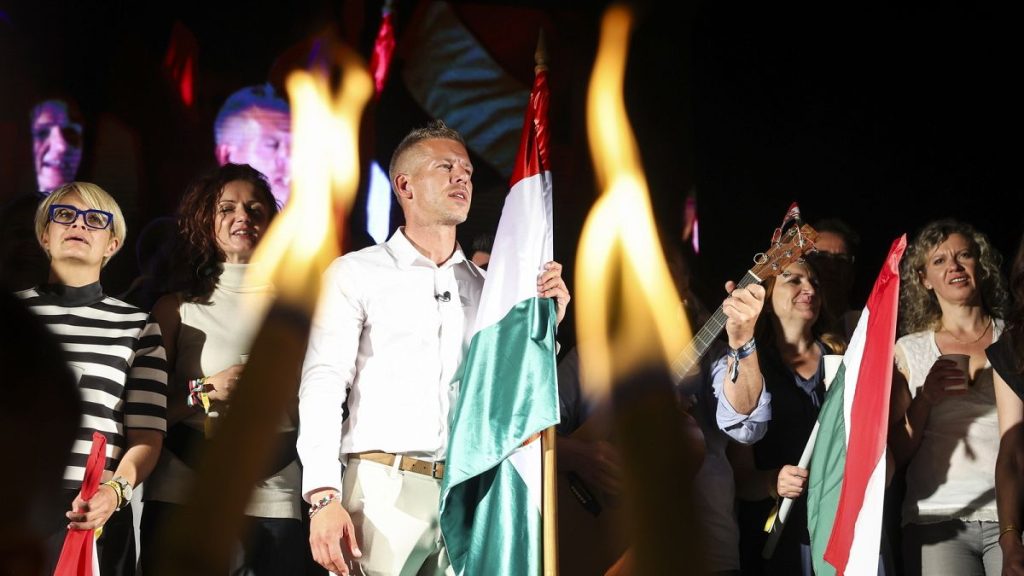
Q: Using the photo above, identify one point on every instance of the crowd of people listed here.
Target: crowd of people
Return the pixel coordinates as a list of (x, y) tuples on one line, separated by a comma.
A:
[(356, 487), (955, 453)]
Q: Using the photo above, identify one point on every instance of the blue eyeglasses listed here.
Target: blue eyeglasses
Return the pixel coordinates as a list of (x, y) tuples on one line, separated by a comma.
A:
[(96, 219)]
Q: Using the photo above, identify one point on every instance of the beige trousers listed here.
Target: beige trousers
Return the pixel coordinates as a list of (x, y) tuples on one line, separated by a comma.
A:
[(396, 518)]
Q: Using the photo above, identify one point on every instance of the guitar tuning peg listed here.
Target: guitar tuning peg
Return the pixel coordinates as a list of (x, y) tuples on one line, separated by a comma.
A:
[(792, 215)]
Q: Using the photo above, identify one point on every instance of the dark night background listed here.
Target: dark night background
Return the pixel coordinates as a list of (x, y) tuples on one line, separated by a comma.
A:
[(885, 116)]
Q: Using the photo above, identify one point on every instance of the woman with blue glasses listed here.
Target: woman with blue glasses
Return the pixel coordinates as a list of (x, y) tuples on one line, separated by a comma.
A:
[(117, 355)]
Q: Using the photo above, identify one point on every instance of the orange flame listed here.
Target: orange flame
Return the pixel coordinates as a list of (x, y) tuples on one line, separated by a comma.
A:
[(325, 163), (624, 288)]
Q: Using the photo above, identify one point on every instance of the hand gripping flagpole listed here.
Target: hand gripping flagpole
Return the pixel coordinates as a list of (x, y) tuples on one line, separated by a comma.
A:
[(832, 363)]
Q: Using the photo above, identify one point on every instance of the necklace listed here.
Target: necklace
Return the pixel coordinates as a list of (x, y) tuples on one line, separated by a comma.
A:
[(968, 343)]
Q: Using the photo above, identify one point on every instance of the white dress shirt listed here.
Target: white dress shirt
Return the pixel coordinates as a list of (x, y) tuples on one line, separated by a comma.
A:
[(390, 333)]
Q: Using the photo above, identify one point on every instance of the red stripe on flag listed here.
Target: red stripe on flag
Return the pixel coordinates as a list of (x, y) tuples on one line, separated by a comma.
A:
[(870, 409), (532, 158)]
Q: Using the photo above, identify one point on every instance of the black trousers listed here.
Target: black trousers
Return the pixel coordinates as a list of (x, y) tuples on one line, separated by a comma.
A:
[(271, 547)]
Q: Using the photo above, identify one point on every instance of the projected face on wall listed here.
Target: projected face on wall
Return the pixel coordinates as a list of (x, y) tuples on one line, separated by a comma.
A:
[(254, 128), (56, 144)]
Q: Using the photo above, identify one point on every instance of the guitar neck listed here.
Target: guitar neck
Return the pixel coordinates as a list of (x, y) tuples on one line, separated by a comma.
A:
[(708, 333)]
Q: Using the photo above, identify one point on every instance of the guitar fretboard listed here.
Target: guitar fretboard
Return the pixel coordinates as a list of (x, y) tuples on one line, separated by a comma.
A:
[(703, 339)]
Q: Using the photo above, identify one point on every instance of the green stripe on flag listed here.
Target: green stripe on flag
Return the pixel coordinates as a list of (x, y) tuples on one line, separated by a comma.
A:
[(505, 528), (829, 457), (508, 394)]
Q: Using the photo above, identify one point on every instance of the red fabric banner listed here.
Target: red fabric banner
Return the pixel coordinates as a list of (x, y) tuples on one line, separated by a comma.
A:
[(77, 558)]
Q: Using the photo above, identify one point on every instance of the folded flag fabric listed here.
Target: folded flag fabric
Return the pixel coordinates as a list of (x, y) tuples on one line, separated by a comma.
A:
[(78, 557)]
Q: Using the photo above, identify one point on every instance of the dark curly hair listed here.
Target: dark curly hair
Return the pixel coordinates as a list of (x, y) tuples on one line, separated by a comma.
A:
[(919, 308), (197, 266)]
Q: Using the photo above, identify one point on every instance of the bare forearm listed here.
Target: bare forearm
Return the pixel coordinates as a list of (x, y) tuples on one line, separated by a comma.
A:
[(141, 457), (906, 434), (1009, 483), (177, 406), (744, 393), (758, 485)]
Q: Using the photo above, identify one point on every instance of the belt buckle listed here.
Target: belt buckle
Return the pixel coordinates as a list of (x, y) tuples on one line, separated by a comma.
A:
[(433, 470)]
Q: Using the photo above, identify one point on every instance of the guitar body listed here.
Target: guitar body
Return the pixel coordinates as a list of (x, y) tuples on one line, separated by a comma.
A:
[(592, 528)]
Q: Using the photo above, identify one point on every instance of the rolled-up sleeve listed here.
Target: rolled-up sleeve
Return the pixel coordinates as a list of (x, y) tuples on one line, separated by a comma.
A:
[(743, 428), (327, 373)]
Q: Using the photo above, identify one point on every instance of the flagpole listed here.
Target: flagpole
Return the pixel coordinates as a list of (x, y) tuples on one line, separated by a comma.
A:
[(548, 437), (775, 531), (550, 495)]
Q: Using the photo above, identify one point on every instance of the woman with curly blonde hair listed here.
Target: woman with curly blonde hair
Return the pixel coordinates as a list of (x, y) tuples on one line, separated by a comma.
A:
[(943, 426)]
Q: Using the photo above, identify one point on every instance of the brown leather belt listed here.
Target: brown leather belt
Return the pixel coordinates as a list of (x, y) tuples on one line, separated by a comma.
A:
[(424, 467)]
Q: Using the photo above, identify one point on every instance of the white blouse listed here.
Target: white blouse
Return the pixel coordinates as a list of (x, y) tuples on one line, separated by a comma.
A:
[(952, 474)]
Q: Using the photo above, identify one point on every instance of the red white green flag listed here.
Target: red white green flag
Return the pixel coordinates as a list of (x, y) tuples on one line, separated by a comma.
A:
[(491, 494), (846, 487)]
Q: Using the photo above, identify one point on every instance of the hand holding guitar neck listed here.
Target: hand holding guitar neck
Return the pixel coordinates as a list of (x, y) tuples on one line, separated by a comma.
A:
[(742, 308), (789, 243)]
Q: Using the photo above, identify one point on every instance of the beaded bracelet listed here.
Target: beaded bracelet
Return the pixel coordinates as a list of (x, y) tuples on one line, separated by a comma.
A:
[(738, 354), (322, 503)]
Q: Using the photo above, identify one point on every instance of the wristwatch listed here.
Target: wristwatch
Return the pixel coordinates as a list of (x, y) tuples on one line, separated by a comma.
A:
[(123, 488)]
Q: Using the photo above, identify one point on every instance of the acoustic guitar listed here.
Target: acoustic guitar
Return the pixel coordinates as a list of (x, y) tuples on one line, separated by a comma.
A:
[(591, 526)]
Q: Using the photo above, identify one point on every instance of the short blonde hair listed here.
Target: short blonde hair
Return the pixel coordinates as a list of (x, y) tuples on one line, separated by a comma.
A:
[(94, 197)]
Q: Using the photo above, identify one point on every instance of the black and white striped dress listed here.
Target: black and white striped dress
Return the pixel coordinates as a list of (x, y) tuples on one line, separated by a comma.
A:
[(117, 354)]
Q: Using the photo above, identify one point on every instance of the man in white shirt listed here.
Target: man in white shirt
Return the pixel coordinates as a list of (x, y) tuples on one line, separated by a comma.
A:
[(392, 328)]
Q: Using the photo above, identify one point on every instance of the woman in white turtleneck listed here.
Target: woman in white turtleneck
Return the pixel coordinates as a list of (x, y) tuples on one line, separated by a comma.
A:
[(208, 328)]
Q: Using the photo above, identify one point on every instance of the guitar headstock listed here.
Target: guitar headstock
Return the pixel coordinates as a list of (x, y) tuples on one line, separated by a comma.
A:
[(788, 246)]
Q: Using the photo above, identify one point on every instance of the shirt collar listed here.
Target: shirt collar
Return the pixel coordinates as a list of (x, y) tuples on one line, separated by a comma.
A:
[(407, 255), (71, 296)]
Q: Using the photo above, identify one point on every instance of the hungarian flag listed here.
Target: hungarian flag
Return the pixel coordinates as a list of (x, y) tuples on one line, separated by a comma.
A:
[(491, 493), (846, 488)]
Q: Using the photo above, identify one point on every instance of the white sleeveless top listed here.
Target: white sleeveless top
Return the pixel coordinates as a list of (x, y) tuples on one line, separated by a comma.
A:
[(952, 474)]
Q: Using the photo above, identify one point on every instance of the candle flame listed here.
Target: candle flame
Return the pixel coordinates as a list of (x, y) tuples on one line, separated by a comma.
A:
[(303, 239), (624, 288)]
